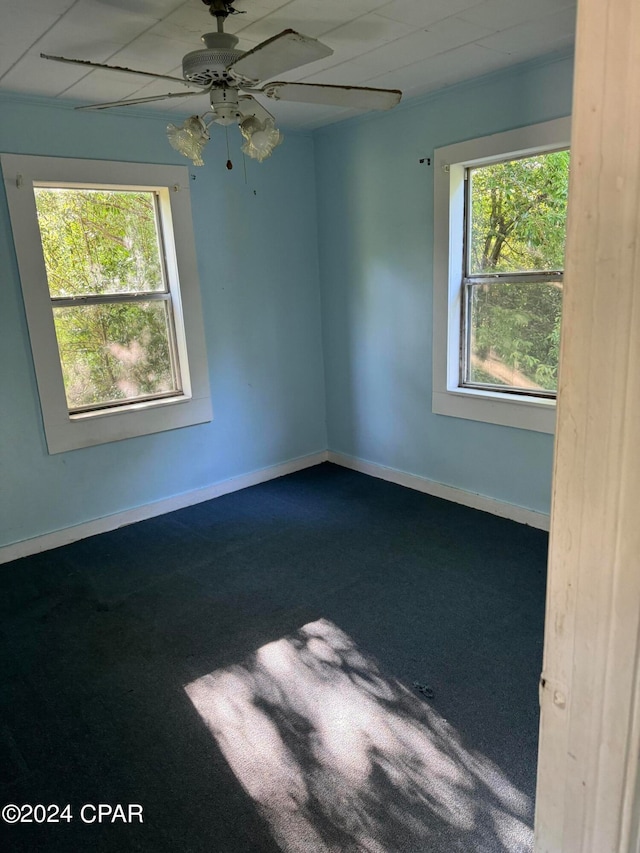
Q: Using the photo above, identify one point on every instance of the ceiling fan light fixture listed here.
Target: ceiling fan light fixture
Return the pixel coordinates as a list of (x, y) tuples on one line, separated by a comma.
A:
[(189, 138), (261, 137), (230, 77)]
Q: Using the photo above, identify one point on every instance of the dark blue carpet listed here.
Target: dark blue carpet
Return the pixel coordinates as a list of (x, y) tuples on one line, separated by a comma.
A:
[(404, 719)]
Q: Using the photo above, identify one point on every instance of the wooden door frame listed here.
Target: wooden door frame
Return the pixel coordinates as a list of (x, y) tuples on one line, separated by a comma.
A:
[(588, 776)]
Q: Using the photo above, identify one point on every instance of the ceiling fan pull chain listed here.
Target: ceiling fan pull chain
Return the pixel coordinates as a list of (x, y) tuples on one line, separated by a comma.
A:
[(229, 163)]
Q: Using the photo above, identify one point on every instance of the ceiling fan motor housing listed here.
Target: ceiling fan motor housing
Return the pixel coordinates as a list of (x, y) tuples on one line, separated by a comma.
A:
[(209, 65), (224, 105)]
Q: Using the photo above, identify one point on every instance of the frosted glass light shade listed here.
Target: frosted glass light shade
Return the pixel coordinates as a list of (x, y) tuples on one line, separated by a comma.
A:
[(261, 137), (189, 139)]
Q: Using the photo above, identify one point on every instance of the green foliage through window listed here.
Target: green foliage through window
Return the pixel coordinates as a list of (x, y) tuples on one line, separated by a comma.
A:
[(517, 226), (515, 334), (113, 352), (99, 241), (111, 306)]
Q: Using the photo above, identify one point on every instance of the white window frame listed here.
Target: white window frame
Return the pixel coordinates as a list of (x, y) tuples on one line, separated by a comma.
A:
[(192, 405), (448, 397)]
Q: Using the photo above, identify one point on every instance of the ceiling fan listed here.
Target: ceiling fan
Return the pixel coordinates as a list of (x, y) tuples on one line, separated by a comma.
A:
[(230, 77)]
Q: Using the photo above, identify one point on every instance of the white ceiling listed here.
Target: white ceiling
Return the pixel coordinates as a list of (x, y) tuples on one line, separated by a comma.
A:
[(414, 45)]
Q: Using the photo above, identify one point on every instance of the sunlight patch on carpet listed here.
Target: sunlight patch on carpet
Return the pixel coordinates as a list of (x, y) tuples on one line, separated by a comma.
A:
[(339, 758)]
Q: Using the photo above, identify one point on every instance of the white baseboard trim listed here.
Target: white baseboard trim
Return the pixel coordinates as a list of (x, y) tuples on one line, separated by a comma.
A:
[(120, 519), (439, 490), (55, 539)]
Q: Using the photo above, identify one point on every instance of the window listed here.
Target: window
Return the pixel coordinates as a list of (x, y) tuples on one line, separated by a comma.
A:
[(111, 303), (112, 297), (515, 213), (500, 217)]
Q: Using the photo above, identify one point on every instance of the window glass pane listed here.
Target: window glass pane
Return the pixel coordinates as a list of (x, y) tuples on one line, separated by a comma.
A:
[(514, 335), (518, 215), (99, 241), (112, 352)]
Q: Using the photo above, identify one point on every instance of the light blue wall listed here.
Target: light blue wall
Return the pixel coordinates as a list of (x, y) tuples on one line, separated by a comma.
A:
[(375, 215), (257, 256)]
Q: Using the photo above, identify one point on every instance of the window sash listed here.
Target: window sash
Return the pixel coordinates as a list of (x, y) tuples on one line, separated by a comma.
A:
[(159, 228), (129, 298), (468, 285), (522, 277), (110, 298), (468, 224), (120, 404)]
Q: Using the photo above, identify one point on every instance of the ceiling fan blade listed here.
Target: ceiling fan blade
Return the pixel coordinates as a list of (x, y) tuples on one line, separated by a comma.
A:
[(89, 64), (131, 101), (249, 106), (276, 55), (357, 97)]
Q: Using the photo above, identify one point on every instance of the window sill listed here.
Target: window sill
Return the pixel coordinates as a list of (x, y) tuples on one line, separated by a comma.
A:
[(142, 406), (65, 432), (521, 412)]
